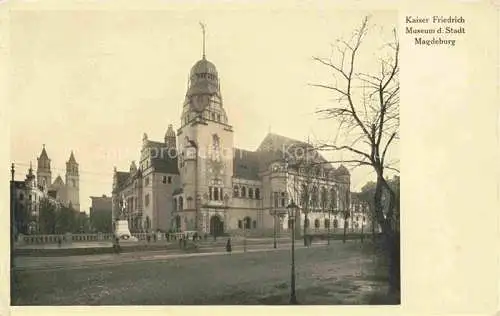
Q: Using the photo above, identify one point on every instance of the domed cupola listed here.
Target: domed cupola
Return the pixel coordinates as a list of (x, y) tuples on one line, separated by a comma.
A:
[(203, 100)]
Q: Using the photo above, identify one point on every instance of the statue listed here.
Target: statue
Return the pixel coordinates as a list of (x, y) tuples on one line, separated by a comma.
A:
[(122, 231)]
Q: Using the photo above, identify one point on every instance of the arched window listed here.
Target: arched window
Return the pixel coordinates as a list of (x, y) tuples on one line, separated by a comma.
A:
[(240, 224), (216, 194), (316, 223), (236, 191), (243, 192), (333, 199), (181, 203), (304, 196), (315, 197), (283, 199), (189, 202), (254, 224), (250, 193), (257, 194), (247, 221), (323, 199)]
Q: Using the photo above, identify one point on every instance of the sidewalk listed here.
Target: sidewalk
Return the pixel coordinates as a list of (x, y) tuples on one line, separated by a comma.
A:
[(79, 262)]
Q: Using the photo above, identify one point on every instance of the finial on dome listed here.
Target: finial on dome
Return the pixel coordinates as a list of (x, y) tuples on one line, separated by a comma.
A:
[(203, 30)]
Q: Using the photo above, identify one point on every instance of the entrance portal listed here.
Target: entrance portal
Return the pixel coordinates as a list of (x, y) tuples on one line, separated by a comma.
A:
[(216, 226)]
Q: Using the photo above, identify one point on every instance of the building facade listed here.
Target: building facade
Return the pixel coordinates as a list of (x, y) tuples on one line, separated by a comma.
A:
[(101, 214), (196, 180), (28, 194)]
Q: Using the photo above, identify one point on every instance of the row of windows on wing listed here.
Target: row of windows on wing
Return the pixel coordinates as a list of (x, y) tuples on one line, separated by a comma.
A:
[(241, 192), (164, 180), (245, 223), (334, 222), (179, 203), (312, 171)]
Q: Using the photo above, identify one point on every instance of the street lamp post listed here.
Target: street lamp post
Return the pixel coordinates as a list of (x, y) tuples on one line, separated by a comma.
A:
[(292, 207), (245, 234), (274, 217), (329, 223)]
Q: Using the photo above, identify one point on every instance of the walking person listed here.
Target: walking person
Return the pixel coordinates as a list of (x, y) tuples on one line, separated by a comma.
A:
[(228, 246)]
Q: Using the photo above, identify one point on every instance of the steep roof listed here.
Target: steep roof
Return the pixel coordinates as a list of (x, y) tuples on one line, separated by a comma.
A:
[(121, 177), (43, 154), (72, 158), (162, 160), (279, 148), (246, 164), (58, 181)]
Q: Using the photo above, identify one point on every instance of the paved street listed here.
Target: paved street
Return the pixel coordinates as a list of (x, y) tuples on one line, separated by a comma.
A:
[(336, 274)]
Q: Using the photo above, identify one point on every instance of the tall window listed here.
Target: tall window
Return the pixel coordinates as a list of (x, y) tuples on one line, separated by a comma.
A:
[(216, 194), (250, 193), (314, 196), (257, 194), (316, 223), (175, 204), (146, 181), (323, 199), (283, 199), (181, 203), (247, 222), (164, 179), (169, 179), (236, 191), (210, 194), (216, 145), (146, 200), (276, 200), (243, 192), (333, 199)]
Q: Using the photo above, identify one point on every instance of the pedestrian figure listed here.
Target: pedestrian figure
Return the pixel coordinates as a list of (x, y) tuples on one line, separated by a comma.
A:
[(180, 242), (155, 237), (116, 245), (228, 245), (185, 242), (148, 237), (59, 242)]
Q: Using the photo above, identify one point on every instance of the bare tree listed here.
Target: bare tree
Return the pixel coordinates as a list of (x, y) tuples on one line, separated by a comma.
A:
[(367, 112)]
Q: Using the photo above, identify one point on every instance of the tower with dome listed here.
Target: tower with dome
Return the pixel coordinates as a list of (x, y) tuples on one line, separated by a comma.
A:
[(196, 180)]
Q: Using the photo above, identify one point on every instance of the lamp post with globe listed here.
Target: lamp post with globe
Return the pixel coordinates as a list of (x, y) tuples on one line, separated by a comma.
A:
[(292, 209)]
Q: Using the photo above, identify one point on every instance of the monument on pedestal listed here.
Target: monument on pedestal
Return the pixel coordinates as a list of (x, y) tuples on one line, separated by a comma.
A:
[(122, 232)]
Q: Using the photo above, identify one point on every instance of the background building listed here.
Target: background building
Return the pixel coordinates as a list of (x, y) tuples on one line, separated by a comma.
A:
[(66, 192), (101, 214)]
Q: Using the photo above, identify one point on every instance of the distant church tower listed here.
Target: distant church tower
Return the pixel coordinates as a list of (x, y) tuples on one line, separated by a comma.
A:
[(43, 172), (72, 183), (205, 129), (170, 137)]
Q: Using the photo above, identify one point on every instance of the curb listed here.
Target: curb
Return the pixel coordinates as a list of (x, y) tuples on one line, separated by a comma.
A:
[(158, 257)]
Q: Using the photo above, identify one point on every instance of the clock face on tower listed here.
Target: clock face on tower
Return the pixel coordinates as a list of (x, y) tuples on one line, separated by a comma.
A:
[(200, 102)]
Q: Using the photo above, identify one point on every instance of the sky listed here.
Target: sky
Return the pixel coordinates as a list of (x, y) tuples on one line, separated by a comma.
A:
[(95, 81)]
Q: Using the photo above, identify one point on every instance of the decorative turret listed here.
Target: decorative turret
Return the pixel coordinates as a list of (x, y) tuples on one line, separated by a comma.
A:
[(133, 168), (170, 138)]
